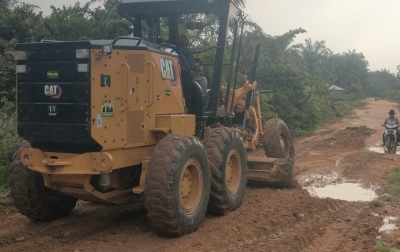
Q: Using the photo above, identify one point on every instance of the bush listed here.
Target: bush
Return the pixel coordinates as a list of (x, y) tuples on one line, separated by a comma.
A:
[(342, 108), (9, 140)]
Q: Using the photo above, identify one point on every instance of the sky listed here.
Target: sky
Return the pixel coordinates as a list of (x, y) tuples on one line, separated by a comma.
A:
[(371, 27)]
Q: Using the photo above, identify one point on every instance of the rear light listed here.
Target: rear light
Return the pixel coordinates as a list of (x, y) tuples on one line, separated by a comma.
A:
[(20, 68), (20, 55), (83, 68), (107, 49), (82, 53)]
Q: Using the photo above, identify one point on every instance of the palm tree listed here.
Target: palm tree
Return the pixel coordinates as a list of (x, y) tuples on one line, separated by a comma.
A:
[(240, 3), (350, 68), (312, 55), (286, 39)]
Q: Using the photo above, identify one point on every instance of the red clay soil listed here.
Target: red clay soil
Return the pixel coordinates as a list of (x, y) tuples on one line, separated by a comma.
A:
[(268, 220)]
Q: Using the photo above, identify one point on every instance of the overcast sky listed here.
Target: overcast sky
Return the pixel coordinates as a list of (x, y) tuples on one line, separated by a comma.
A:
[(368, 26)]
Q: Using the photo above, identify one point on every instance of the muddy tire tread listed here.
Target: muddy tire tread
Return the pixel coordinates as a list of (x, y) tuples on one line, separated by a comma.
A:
[(16, 158), (271, 139), (272, 130), (159, 199), (28, 192), (215, 143)]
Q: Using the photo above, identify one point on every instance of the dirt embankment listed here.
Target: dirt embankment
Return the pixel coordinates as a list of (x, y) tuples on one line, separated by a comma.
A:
[(268, 220)]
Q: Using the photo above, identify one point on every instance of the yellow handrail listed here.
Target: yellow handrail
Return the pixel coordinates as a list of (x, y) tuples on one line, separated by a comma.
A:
[(150, 83), (126, 107)]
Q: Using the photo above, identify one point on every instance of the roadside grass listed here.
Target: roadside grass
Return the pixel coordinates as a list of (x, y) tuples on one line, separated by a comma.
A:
[(393, 176), (384, 247), (393, 188), (346, 107)]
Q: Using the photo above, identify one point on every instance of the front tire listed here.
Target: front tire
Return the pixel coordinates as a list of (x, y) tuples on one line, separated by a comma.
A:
[(31, 197), (277, 140), (389, 143), (278, 143), (177, 185), (228, 163)]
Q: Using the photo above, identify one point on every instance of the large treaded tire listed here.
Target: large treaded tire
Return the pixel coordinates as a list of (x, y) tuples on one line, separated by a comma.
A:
[(278, 143), (224, 146), (167, 183), (277, 140), (31, 197)]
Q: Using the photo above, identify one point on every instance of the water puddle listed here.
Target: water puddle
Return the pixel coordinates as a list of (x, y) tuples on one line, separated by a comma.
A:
[(381, 150), (308, 180), (336, 187), (343, 191), (389, 224), (377, 149)]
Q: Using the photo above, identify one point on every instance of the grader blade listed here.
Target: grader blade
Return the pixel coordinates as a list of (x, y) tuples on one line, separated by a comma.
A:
[(264, 171)]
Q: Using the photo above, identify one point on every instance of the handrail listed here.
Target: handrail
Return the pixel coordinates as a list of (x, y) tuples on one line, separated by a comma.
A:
[(150, 83), (172, 47), (259, 111), (127, 87), (201, 51)]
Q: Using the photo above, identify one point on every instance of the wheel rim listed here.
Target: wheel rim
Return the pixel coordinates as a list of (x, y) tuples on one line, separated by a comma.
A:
[(233, 172), (191, 186)]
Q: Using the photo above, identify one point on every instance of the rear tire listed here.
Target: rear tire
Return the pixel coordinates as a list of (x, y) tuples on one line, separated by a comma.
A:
[(228, 163), (177, 185), (31, 197)]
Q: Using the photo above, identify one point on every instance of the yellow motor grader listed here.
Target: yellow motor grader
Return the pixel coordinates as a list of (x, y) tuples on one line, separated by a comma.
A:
[(118, 120)]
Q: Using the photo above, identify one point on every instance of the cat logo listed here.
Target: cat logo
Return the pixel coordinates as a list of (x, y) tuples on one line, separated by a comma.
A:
[(54, 91), (168, 70), (52, 110)]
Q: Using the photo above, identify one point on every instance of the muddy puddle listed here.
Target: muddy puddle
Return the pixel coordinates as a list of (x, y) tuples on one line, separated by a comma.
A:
[(389, 224), (378, 148), (332, 186), (343, 191)]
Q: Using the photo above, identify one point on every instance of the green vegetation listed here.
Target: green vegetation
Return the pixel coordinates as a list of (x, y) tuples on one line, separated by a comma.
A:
[(9, 140), (299, 75), (393, 177), (393, 189), (384, 247)]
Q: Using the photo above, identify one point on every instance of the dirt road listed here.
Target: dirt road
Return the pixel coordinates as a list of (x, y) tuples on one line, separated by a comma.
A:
[(268, 220)]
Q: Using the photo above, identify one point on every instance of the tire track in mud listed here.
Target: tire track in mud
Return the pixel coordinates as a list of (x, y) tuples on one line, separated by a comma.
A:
[(334, 234), (313, 228), (322, 231)]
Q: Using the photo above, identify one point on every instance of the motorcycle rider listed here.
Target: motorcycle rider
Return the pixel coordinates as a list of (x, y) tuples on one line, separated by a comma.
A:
[(391, 120)]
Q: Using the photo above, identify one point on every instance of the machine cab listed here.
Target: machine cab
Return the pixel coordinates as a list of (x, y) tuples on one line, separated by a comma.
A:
[(164, 22)]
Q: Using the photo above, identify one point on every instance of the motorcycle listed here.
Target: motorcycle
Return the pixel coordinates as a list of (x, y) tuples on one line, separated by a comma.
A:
[(390, 137)]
